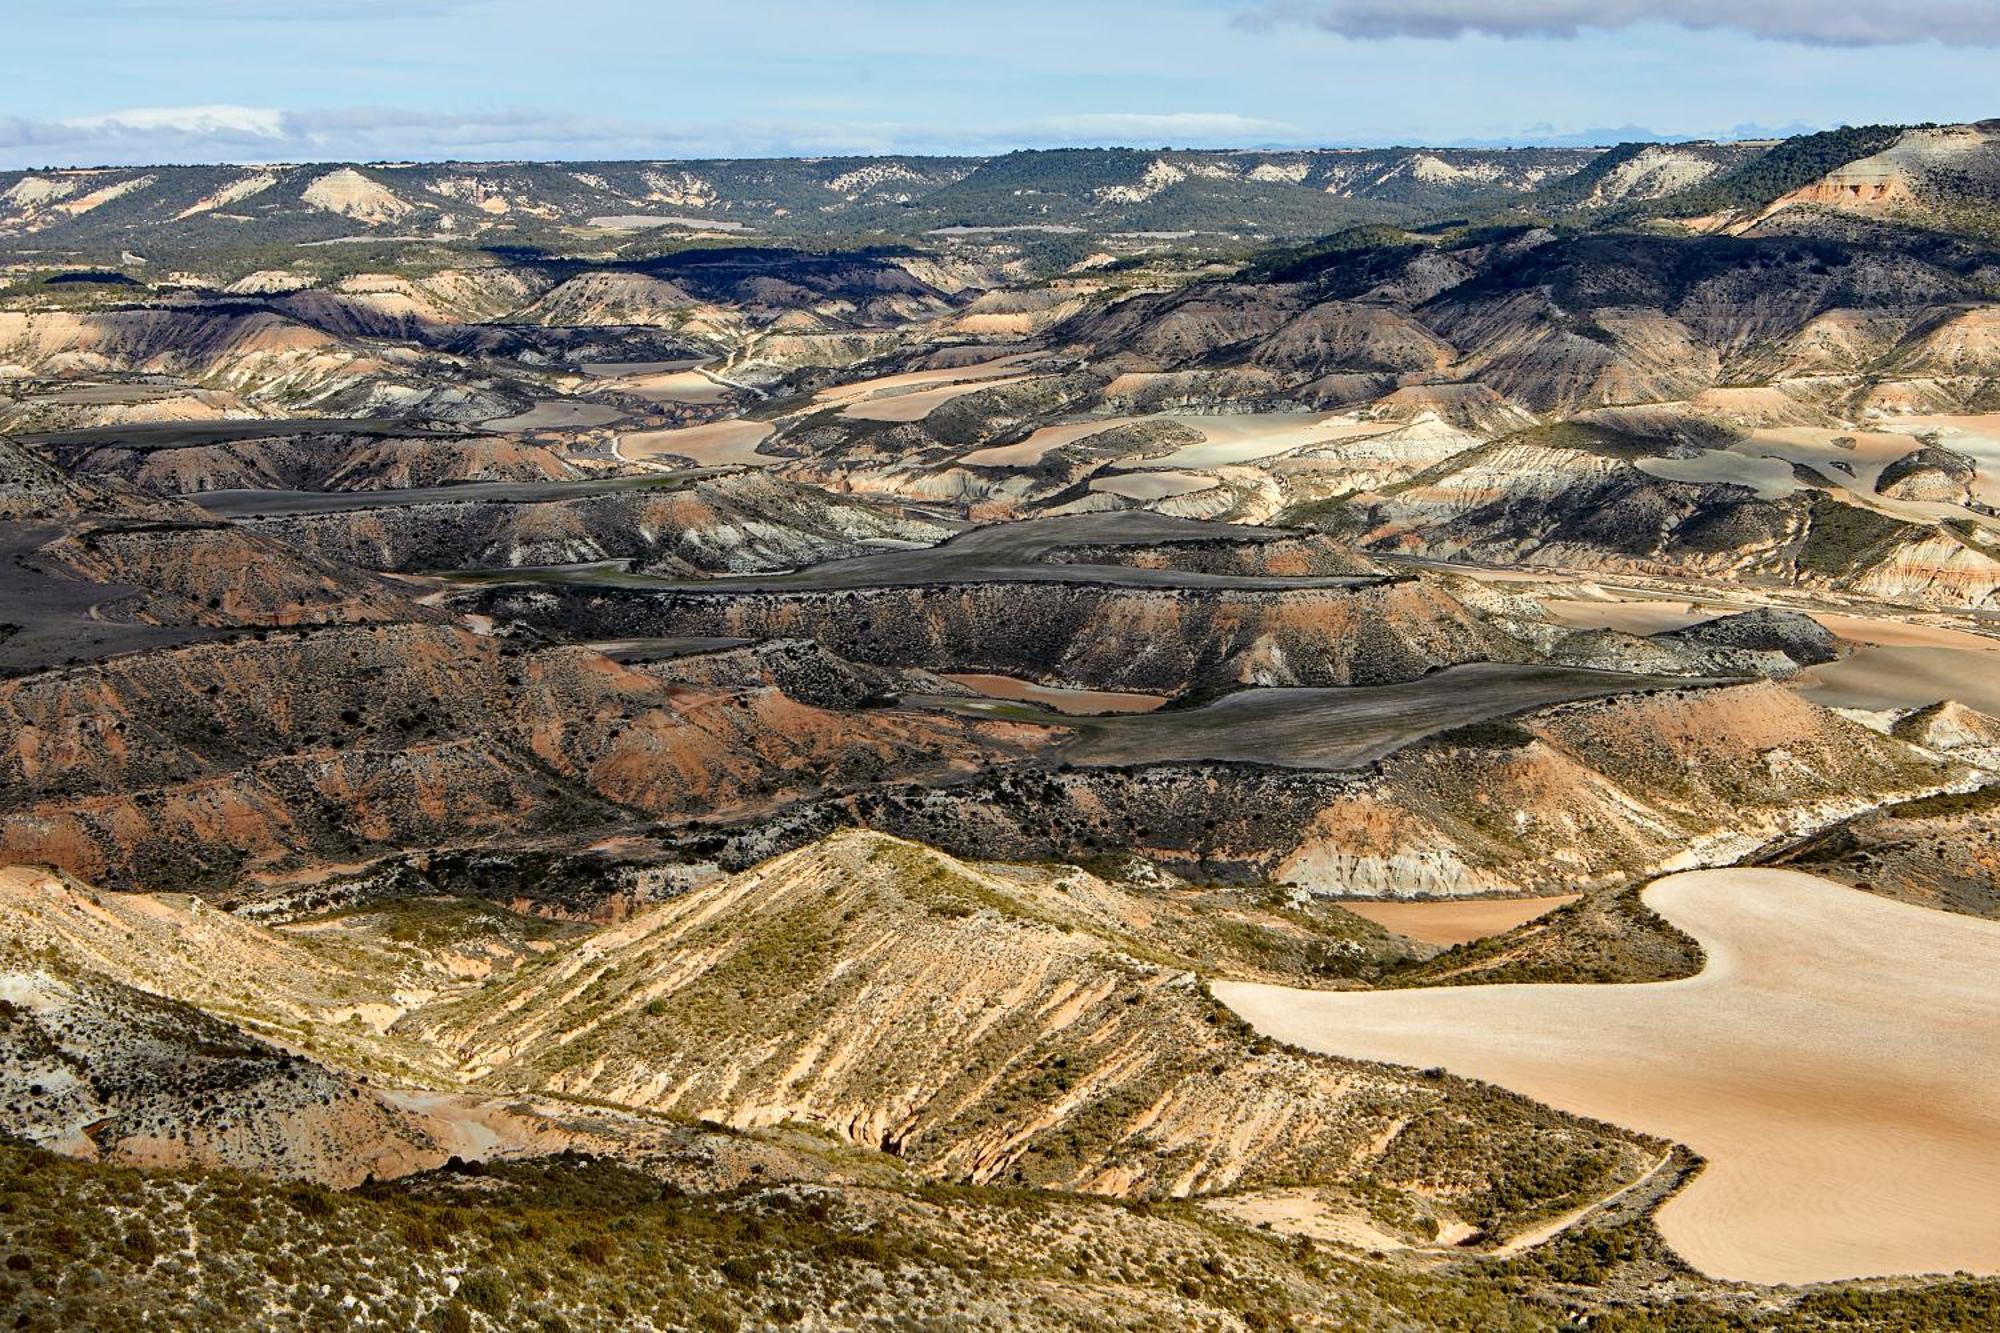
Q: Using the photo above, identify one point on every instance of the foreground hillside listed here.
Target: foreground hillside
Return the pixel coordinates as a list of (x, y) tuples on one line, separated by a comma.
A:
[(824, 1203), (579, 1243), (987, 1026)]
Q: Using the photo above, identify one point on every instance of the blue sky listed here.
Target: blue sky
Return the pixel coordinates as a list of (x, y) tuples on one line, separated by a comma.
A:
[(86, 81)]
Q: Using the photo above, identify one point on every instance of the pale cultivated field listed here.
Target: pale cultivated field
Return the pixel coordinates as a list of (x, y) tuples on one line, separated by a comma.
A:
[(672, 386), (1449, 923), (717, 444), (1901, 665), (1151, 485), (1904, 678), (910, 396), (558, 414), (1833, 1062), (1977, 437), (1771, 478), (1814, 446), (620, 369), (1029, 451), (1634, 617), (1052, 696), (1245, 438), (919, 403)]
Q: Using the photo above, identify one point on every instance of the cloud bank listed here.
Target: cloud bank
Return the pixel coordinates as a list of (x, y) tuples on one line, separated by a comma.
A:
[(238, 134), (1813, 22)]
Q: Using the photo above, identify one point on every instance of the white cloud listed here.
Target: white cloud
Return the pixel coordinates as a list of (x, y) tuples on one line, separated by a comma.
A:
[(1815, 22), (193, 120), (256, 134)]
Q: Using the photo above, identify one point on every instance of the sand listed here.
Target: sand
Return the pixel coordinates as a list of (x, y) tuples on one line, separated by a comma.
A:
[(717, 444), (1832, 1062), (1449, 923), (1061, 700)]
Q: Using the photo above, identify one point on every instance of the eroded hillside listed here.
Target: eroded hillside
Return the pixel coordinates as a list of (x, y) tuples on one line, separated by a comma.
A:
[(679, 744)]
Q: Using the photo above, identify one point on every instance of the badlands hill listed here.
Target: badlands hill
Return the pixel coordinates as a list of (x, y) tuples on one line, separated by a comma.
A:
[(542, 664), (980, 1024)]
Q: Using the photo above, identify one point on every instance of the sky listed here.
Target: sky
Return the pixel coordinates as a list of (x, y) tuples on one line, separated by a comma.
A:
[(85, 82)]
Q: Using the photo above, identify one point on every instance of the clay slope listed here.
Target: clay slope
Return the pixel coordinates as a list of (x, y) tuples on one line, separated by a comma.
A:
[(1565, 798), (1165, 641), (216, 574), (743, 523), (1940, 174), (1941, 851), (1559, 323), (1583, 497), (32, 487), (1604, 791), (329, 461), (996, 1028), (281, 366), (100, 1058), (348, 743)]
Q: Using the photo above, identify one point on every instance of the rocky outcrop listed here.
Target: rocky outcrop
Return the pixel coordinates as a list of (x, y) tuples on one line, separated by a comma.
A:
[(1764, 642), (1931, 474)]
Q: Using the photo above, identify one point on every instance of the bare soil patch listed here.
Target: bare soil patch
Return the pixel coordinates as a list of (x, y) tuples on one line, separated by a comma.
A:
[(1832, 1062), (1449, 923)]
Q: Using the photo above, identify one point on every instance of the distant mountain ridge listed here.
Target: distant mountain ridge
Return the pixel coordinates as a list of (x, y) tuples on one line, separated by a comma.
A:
[(139, 220)]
